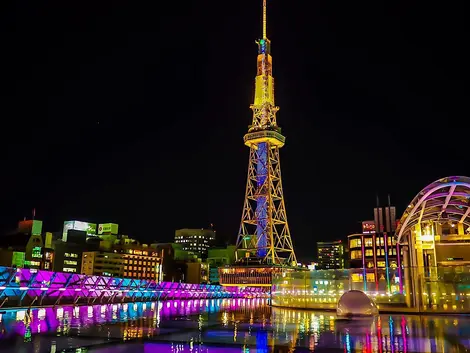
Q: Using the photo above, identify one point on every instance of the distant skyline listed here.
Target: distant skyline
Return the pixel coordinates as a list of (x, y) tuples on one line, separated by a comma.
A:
[(135, 113)]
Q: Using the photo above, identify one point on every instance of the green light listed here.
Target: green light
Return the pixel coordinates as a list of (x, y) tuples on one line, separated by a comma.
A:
[(261, 42)]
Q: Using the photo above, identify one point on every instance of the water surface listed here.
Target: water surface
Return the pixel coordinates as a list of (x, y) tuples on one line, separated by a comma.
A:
[(228, 325)]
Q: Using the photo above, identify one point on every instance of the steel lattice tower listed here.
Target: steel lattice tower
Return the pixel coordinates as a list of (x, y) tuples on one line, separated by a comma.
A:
[(264, 235)]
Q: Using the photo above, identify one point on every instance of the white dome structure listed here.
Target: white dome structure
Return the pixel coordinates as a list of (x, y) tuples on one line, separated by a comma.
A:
[(356, 303)]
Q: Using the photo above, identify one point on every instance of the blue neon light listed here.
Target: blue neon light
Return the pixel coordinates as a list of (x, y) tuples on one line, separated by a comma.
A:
[(261, 207)]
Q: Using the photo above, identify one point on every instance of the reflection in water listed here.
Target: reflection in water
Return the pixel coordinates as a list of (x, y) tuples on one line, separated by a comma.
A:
[(26, 322), (248, 323)]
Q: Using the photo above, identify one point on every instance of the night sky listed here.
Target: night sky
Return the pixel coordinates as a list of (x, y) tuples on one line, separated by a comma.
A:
[(134, 112)]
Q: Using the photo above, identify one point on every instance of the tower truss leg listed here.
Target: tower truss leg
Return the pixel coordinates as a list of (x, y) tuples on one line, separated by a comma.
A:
[(264, 232)]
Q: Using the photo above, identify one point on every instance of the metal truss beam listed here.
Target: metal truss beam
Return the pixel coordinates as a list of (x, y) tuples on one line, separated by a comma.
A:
[(264, 229)]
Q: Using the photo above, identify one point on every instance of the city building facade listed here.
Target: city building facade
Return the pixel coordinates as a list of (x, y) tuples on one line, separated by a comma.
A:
[(330, 255), (376, 246), (197, 272), (125, 261), (197, 241), (27, 247)]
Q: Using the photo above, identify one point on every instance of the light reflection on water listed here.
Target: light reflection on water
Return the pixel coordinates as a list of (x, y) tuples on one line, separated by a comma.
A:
[(241, 322)]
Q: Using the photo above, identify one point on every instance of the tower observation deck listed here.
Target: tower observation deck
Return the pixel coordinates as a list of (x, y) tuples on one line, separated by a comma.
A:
[(264, 244)]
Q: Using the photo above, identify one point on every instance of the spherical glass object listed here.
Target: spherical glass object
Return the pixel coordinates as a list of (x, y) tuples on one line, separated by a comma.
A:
[(356, 303)]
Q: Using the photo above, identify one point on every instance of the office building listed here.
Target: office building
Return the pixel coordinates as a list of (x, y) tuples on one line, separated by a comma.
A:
[(376, 246), (27, 247), (197, 241), (68, 255), (125, 261), (330, 255)]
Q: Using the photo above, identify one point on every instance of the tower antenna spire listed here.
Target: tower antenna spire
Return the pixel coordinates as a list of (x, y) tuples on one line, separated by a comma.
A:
[(264, 20)]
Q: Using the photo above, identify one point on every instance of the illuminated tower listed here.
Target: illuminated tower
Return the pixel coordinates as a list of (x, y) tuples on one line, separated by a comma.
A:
[(264, 235)]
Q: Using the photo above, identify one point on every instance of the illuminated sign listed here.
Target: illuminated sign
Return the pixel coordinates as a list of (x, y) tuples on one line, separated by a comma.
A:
[(71, 255), (89, 228), (37, 252), (32, 263), (17, 259), (36, 228), (108, 228), (368, 227)]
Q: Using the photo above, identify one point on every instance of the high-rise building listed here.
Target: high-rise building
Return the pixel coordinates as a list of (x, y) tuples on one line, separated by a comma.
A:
[(197, 241), (330, 255)]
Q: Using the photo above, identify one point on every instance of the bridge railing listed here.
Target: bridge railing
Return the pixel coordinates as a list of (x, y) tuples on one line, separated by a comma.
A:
[(27, 287)]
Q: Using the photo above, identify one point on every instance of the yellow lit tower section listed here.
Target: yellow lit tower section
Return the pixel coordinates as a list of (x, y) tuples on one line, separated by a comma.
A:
[(264, 236)]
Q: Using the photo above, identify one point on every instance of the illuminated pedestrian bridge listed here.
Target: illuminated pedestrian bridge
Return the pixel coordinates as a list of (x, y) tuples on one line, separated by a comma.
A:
[(29, 287)]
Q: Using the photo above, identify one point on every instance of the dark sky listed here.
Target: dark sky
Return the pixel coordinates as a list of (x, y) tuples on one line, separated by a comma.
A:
[(134, 112)]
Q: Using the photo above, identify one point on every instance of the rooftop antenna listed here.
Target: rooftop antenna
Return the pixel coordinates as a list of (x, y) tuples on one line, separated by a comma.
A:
[(264, 20)]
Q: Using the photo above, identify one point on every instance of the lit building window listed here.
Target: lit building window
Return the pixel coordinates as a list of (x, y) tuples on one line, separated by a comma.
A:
[(70, 255), (356, 254), (355, 243)]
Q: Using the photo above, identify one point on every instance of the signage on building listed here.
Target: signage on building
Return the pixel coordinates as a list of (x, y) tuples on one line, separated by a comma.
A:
[(108, 228), (368, 227), (33, 227), (37, 227), (89, 228), (18, 259), (37, 252)]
